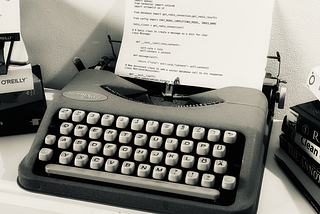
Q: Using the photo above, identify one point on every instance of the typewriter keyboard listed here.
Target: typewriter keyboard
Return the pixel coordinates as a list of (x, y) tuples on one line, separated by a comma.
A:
[(193, 162)]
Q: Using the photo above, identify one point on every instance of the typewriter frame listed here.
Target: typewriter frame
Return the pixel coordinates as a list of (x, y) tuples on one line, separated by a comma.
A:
[(231, 113)]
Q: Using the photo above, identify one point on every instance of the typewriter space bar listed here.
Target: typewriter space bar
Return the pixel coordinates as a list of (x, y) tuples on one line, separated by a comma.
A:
[(164, 186)]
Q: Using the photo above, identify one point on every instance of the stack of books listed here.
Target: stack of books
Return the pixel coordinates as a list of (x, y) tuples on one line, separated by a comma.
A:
[(300, 138)]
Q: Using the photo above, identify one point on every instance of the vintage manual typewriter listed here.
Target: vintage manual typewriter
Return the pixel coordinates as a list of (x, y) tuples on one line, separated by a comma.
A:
[(153, 147)]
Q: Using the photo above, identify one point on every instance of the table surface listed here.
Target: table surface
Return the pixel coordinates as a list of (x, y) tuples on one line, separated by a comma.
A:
[(278, 194)]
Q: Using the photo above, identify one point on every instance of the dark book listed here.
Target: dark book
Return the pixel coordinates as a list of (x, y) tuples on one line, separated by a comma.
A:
[(286, 127), (310, 148), (306, 163), (305, 120), (22, 112)]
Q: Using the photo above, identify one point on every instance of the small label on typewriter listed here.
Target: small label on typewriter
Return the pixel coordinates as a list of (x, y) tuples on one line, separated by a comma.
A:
[(85, 95)]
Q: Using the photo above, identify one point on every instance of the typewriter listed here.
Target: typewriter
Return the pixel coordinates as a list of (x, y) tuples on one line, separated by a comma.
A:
[(151, 146)]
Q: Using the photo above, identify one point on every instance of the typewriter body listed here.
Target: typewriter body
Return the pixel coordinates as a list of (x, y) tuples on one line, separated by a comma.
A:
[(125, 170)]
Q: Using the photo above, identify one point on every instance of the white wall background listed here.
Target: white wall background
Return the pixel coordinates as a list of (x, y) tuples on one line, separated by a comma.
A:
[(55, 31)]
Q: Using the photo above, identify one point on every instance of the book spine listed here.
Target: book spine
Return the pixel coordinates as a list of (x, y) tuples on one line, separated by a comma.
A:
[(307, 164), (306, 145), (305, 125), (311, 149)]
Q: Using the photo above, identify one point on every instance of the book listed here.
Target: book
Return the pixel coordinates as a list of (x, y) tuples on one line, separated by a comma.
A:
[(310, 148), (305, 163), (305, 120), (286, 126)]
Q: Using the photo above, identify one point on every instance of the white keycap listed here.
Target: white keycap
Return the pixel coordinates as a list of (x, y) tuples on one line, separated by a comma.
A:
[(81, 160), (159, 172), (140, 154), (167, 128), (127, 167), (65, 157), (171, 144), (137, 124), (96, 162), (143, 170), (175, 175), (220, 166), (125, 137), (230, 137), (140, 139), (228, 182), (219, 151), (45, 154), (65, 113), (152, 126), (214, 135), (198, 133), (50, 139), (192, 178), (111, 165), (64, 142), (66, 128), (95, 133), (125, 152), (94, 147), (107, 120), (109, 149), (155, 142), (156, 157), (207, 180), (122, 122), (182, 130), (80, 130), (79, 145), (93, 118), (110, 135), (203, 148), (204, 164), (187, 161), (187, 146), (78, 115), (171, 159)]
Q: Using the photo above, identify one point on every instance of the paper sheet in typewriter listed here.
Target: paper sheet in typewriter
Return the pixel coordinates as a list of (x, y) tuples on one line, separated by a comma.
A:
[(208, 43)]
